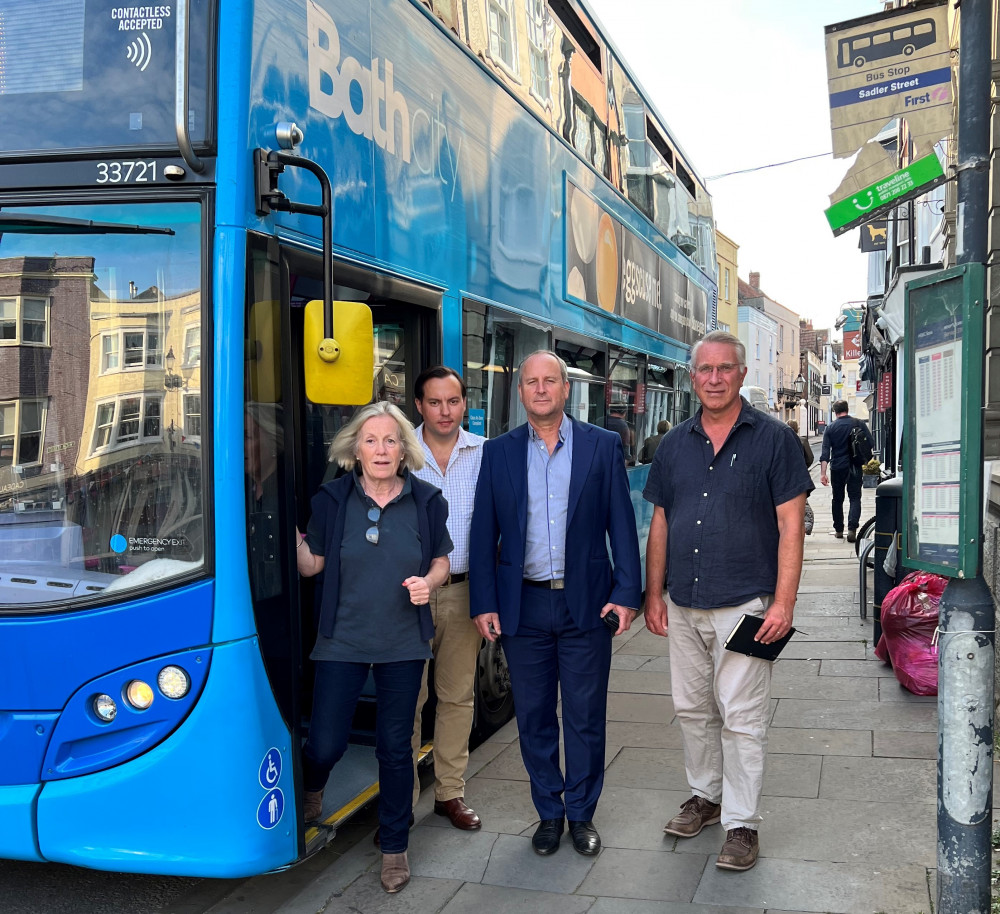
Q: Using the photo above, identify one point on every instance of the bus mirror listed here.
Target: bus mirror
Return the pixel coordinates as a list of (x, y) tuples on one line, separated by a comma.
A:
[(339, 372), (263, 352)]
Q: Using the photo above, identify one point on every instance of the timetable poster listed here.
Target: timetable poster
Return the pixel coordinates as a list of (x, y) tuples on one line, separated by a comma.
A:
[(937, 439)]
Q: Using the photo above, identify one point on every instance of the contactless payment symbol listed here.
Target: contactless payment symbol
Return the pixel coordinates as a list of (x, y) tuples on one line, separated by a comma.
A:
[(270, 769), (271, 808)]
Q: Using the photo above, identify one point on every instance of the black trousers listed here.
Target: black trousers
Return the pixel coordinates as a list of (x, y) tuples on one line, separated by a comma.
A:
[(849, 479)]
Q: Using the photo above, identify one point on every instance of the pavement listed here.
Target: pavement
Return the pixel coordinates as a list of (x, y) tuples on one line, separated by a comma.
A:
[(849, 801)]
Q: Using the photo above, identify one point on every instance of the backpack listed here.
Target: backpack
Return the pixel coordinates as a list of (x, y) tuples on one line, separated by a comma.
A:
[(859, 449)]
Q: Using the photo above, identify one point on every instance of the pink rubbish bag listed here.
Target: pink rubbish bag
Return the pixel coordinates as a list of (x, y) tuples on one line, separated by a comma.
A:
[(909, 619)]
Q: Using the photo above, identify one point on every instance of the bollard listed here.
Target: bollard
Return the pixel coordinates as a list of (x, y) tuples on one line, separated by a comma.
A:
[(966, 645)]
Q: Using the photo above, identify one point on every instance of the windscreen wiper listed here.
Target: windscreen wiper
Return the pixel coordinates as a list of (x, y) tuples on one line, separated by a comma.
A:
[(34, 224)]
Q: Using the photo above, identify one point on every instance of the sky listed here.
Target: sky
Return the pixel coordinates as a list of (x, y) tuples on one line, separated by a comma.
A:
[(741, 84)]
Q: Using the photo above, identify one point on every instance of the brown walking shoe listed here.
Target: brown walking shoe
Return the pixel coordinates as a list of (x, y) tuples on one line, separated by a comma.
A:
[(695, 814), (740, 850), (312, 805), (395, 872)]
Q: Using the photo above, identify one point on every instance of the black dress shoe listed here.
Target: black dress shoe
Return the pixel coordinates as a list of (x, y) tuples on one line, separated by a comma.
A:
[(545, 840), (585, 838)]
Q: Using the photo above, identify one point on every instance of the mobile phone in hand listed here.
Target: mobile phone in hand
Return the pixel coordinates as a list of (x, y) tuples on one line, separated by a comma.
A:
[(612, 621)]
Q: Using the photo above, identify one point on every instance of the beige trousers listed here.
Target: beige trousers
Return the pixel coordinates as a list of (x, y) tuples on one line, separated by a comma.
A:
[(722, 702), (456, 647)]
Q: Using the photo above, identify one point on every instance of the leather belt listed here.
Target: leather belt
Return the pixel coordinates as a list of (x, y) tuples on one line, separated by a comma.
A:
[(456, 578), (552, 584)]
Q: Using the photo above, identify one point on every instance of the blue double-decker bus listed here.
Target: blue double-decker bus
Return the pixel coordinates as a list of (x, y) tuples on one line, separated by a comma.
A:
[(457, 181)]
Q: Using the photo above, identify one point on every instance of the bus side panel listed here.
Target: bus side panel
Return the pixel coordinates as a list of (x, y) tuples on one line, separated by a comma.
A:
[(17, 823), (192, 806), (637, 477)]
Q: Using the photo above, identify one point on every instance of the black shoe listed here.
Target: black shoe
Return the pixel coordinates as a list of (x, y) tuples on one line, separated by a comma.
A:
[(585, 838), (545, 840), (852, 534), (377, 841)]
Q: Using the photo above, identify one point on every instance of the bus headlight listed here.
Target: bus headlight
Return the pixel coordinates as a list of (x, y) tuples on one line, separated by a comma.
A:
[(173, 682), (139, 694), (105, 708)]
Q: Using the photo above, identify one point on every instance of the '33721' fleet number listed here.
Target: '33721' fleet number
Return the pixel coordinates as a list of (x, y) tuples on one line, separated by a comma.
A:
[(128, 172)]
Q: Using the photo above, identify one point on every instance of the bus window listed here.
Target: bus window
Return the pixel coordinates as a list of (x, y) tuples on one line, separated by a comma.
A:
[(495, 342), (624, 377), (101, 462), (585, 368)]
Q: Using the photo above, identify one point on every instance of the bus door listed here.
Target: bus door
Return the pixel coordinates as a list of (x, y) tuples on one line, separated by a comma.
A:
[(288, 439)]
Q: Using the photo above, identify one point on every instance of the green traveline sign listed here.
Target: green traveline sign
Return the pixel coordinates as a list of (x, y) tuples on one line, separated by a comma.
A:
[(874, 199)]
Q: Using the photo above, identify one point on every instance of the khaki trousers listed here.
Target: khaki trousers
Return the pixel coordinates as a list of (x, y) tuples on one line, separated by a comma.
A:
[(456, 647), (722, 701)]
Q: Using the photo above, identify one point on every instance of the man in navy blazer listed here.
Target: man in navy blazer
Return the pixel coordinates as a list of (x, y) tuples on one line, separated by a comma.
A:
[(551, 495)]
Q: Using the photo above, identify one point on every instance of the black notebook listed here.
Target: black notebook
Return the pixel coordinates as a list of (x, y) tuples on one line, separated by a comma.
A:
[(741, 640)]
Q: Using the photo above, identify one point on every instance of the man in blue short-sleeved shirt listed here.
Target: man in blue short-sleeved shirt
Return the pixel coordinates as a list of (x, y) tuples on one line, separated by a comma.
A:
[(729, 489)]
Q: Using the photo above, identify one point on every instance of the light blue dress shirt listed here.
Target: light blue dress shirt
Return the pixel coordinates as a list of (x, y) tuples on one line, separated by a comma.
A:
[(548, 500)]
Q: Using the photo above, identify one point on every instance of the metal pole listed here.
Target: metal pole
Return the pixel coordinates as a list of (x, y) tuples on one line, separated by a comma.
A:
[(967, 617)]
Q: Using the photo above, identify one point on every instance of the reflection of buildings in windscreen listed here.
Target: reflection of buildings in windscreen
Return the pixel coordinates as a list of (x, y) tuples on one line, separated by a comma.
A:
[(263, 442)]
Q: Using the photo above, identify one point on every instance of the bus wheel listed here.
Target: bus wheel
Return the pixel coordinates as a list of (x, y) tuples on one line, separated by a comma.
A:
[(859, 62), (908, 50), (494, 700)]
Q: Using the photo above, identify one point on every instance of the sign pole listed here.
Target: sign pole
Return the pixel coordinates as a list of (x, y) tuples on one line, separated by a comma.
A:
[(967, 620)]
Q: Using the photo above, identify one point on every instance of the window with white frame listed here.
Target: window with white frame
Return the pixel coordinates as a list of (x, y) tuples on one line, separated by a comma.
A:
[(727, 284), (192, 345), (503, 37), (22, 430), (24, 320), (127, 420), (538, 48), (131, 350), (192, 416)]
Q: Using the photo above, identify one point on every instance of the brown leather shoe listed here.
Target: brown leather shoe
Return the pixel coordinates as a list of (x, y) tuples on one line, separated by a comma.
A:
[(695, 814), (740, 850), (395, 872), (460, 815), (312, 805)]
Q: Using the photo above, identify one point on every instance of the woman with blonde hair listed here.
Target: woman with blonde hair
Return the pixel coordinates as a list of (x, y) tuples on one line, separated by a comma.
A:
[(379, 533)]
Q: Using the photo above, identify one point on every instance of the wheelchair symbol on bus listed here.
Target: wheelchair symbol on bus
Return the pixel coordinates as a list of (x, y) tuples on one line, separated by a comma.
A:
[(270, 769), (270, 809)]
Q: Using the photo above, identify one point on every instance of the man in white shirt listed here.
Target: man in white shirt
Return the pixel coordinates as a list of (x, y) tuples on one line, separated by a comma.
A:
[(453, 460)]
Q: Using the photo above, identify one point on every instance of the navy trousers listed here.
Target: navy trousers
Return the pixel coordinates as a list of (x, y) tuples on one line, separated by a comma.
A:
[(851, 480), (338, 687), (549, 654)]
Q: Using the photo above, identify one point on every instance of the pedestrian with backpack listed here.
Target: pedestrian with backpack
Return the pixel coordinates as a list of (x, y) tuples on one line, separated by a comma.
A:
[(847, 446)]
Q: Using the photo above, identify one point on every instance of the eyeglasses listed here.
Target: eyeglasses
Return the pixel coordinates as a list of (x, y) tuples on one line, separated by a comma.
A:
[(706, 371), (371, 534)]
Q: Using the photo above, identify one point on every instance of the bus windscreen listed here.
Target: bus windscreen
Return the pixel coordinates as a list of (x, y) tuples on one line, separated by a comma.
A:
[(57, 69)]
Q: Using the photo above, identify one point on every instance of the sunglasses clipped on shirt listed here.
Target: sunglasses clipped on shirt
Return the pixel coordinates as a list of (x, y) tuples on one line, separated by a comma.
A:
[(375, 516)]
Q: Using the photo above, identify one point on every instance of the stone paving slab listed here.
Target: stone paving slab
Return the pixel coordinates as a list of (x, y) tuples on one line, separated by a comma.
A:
[(639, 682), (634, 906), (829, 688), (644, 642), (632, 734), (854, 715), (800, 885), (891, 690), (858, 668), (620, 661), (475, 899), (819, 742), (447, 853), (653, 709), (823, 650), (367, 894), (515, 864), (650, 875), (879, 779), (903, 744)]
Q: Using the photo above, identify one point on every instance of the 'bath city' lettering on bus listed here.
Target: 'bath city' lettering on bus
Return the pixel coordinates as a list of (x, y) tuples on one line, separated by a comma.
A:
[(385, 115)]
